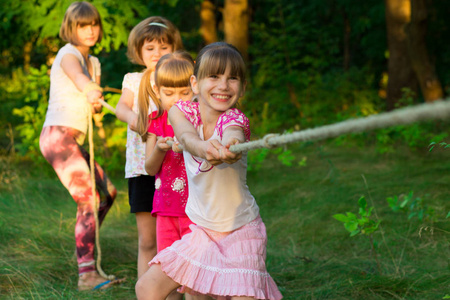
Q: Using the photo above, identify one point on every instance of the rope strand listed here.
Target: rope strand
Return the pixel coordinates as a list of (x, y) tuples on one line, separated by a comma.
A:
[(94, 199), (438, 110)]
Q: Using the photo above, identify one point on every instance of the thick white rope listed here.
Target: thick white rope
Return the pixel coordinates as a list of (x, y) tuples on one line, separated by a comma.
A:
[(94, 198), (105, 104), (437, 110)]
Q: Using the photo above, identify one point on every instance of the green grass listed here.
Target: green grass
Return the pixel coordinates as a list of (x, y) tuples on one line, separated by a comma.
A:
[(309, 254)]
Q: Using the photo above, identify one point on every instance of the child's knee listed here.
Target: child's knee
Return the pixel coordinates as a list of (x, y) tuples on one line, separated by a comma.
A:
[(147, 244), (144, 290), (140, 289)]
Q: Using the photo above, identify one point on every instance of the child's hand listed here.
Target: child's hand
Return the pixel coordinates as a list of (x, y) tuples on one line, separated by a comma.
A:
[(161, 143), (93, 97), (96, 107), (176, 148), (216, 153), (231, 157)]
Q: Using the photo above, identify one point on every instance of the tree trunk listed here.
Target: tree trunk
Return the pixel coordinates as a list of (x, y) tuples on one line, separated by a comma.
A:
[(425, 71), (236, 18), (208, 28), (27, 56), (401, 73), (347, 31)]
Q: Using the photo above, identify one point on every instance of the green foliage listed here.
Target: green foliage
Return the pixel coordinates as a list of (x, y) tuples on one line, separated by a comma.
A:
[(412, 207), (256, 158), (297, 63), (415, 135), (441, 144), (364, 224), (34, 110), (297, 75)]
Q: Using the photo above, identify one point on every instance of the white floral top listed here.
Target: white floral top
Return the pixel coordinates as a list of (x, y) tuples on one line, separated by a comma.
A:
[(135, 155)]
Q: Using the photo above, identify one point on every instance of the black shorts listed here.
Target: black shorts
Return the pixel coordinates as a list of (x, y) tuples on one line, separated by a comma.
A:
[(140, 193)]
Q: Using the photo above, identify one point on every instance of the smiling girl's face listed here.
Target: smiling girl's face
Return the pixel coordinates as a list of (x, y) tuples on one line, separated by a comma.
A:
[(218, 92)]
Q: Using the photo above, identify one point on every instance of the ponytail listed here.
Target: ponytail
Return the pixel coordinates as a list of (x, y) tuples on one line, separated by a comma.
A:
[(145, 93)]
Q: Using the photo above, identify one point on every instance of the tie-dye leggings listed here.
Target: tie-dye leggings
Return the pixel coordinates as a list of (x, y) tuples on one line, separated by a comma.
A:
[(71, 163)]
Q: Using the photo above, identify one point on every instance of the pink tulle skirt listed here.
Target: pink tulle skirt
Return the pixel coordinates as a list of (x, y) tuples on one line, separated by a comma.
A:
[(221, 264)]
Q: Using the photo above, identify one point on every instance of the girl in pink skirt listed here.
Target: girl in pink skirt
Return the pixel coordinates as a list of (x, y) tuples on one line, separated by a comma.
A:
[(224, 255)]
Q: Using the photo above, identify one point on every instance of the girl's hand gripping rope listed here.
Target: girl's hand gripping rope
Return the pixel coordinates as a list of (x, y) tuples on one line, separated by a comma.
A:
[(94, 95), (176, 146), (164, 143)]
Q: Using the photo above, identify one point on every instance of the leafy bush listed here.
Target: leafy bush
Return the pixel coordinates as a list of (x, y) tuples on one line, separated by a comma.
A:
[(33, 112)]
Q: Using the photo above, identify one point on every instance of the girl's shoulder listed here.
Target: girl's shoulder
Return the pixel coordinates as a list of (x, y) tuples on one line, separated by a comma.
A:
[(191, 111), (234, 117), (133, 76), (69, 49), (132, 80), (187, 105)]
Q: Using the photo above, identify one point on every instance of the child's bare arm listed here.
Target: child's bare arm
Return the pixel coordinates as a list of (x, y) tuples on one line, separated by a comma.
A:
[(124, 109), (190, 140), (72, 67), (185, 131), (155, 151)]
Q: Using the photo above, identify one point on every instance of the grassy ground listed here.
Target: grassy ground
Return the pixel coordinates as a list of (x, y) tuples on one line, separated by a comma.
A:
[(310, 254)]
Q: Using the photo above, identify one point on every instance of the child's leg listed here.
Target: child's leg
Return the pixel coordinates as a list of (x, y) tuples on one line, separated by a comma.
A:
[(61, 150), (104, 187), (174, 295), (146, 226), (155, 284), (59, 147), (168, 230)]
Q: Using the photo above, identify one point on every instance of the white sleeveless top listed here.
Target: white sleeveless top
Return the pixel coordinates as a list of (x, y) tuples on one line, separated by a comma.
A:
[(67, 105), (219, 198), (135, 156)]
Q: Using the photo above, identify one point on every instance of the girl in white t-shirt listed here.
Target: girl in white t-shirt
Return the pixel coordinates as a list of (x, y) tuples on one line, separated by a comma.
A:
[(74, 90), (224, 255), (149, 40)]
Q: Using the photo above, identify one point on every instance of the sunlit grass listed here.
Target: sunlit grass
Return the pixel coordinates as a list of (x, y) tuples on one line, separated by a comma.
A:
[(310, 254)]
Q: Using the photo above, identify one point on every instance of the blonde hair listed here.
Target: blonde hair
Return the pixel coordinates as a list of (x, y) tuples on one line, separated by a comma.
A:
[(79, 13), (146, 31), (216, 57), (172, 70)]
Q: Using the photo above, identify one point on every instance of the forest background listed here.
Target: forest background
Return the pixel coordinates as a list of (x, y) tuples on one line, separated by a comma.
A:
[(310, 63)]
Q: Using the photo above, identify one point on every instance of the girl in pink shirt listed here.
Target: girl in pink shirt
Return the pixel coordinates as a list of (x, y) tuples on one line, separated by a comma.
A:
[(171, 84), (172, 75)]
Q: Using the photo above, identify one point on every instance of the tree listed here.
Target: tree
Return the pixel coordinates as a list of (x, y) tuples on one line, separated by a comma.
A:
[(208, 27), (424, 69), (401, 73), (235, 19), (409, 62)]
